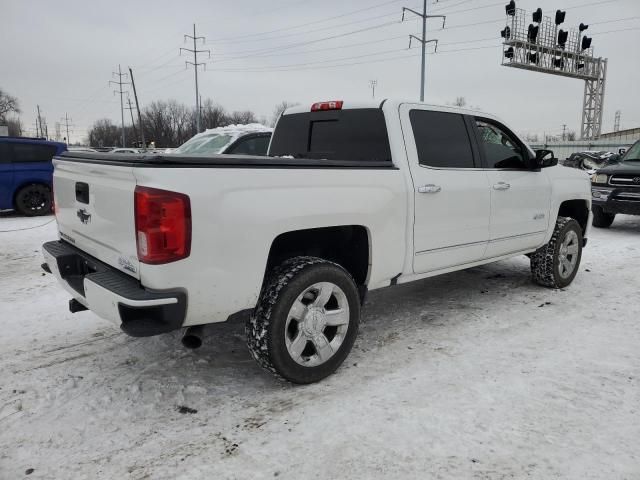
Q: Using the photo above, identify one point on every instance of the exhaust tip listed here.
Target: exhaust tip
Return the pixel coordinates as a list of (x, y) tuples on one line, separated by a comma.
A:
[(192, 337)]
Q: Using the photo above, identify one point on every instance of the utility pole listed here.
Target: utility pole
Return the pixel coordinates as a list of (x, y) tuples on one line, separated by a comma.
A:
[(133, 124), (372, 84), (195, 64), (135, 95), (39, 122), (564, 129), (66, 120), (423, 40), (120, 83)]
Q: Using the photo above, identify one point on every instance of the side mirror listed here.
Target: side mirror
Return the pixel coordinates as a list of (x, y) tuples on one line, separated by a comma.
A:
[(545, 158), (622, 151)]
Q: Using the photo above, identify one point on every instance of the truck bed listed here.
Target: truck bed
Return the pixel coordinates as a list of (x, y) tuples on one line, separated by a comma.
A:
[(216, 161)]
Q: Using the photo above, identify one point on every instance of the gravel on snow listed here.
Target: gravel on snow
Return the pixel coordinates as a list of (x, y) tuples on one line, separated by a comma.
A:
[(475, 374)]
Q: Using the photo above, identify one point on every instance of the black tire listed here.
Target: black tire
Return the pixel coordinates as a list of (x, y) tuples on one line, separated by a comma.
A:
[(602, 219), (266, 329), (546, 266), (33, 200)]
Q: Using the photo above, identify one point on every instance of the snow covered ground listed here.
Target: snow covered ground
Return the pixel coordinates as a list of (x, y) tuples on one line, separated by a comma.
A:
[(476, 374)]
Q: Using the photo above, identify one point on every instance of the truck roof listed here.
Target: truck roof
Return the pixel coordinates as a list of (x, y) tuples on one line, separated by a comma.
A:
[(392, 104)]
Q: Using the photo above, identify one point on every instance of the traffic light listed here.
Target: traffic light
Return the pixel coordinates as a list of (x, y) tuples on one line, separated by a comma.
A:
[(508, 53), (537, 15), (533, 58), (506, 33), (558, 62), (560, 16), (586, 42), (510, 8), (532, 34), (583, 27), (562, 38)]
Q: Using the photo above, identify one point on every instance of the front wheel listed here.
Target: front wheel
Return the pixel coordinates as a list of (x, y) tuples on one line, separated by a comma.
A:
[(556, 264), (34, 199), (306, 320), (602, 219)]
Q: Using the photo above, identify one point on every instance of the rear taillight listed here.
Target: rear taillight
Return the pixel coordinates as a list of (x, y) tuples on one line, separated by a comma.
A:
[(334, 105), (163, 225)]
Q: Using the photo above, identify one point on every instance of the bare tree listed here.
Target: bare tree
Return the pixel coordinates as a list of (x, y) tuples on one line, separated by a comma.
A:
[(212, 114), (460, 102), (279, 108), (531, 137), (104, 133), (8, 104), (241, 118), (571, 136), (15, 127)]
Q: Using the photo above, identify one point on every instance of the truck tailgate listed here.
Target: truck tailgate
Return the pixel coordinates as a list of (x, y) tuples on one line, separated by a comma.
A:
[(95, 211)]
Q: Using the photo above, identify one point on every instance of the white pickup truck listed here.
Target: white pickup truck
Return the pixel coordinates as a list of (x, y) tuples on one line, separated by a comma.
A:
[(353, 197)]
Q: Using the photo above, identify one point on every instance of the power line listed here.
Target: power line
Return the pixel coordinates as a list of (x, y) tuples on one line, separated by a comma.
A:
[(315, 22), (315, 66)]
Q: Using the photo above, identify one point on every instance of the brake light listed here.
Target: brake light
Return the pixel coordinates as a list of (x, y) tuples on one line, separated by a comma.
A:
[(334, 105), (163, 225)]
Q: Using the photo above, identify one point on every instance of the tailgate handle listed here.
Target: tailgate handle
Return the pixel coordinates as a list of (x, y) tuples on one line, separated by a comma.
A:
[(82, 192)]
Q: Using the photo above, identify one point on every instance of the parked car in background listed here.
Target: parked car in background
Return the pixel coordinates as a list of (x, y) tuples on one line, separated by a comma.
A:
[(616, 188), (354, 197), (26, 174), (134, 151), (82, 149), (590, 161), (250, 139)]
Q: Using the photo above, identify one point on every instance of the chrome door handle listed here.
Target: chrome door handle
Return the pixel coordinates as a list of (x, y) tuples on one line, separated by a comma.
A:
[(430, 188), (501, 186)]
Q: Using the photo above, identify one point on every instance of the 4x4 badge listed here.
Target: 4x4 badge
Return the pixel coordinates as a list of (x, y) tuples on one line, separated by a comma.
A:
[(84, 216)]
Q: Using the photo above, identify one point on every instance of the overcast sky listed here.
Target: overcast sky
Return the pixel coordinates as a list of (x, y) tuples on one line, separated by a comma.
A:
[(60, 55)]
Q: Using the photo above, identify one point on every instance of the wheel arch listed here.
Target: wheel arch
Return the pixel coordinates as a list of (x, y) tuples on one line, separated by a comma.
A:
[(578, 210), (347, 245)]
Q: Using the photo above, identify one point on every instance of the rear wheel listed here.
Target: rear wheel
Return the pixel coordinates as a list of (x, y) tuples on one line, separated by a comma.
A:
[(556, 264), (602, 219), (34, 199), (306, 320)]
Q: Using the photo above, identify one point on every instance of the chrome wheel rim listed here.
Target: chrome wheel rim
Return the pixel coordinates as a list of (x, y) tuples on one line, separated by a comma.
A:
[(568, 254), (317, 324)]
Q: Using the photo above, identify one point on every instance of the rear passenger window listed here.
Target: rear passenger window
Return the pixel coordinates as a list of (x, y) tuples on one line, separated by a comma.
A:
[(441, 139), (27, 152)]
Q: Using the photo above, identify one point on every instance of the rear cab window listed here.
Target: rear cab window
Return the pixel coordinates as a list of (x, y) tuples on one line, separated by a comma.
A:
[(349, 134)]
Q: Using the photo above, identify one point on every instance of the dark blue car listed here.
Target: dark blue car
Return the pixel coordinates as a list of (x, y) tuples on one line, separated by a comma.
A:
[(26, 174)]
